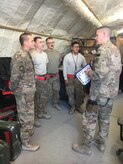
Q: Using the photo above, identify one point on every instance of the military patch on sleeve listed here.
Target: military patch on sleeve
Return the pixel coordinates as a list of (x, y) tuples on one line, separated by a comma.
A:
[(21, 68), (18, 55)]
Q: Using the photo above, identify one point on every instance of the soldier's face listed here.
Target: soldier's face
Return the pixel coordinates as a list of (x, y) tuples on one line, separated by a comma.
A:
[(50, 43), (99, 37), (39, 44), (75, 49), (30, 42)]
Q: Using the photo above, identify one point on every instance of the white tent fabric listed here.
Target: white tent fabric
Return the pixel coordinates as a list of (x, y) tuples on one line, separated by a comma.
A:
[(62, 19)]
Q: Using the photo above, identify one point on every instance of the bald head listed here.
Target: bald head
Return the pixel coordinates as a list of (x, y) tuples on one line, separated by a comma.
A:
[(103, 34)]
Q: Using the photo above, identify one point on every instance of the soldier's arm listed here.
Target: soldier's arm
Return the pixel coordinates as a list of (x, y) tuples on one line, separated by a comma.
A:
[(65, 68), (102, 66), (47, 61), (60, 59), (17, 73)]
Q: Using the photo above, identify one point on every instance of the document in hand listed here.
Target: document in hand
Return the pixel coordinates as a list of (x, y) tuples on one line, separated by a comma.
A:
[(81, 75)]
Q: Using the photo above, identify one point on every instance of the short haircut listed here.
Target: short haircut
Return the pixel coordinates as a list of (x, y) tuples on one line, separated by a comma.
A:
[(36, 38), (48, 38), (74, 42), (23, 37), (105, 28)]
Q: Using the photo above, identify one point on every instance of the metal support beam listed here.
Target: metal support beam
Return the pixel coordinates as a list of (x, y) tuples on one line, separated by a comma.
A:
[(32, 32)]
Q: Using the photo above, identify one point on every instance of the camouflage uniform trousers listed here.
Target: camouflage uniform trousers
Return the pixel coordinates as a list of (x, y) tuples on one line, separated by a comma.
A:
[(25, 109), (100, 112), (54, 86), (40, 97), (75, 92)]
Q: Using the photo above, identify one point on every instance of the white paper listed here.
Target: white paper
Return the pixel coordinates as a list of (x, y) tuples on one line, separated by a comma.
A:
[(81, 75)]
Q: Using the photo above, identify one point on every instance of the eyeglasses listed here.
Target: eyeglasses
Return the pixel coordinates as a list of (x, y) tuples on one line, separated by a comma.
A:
[(76, 46)]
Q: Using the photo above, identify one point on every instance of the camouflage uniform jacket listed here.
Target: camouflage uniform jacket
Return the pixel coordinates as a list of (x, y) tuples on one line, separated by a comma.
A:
[(22, 73), (105, 81)]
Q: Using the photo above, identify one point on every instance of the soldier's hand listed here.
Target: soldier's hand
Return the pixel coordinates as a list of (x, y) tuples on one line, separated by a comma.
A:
[(89, 72)]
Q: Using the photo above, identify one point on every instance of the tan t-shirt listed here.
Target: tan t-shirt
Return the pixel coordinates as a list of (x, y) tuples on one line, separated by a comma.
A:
[(54, 60)]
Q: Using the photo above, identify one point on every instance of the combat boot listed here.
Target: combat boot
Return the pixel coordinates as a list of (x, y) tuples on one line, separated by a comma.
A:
[(44, 111), (80, 110), (71, 110), (44, 116), (56, 106), (100, 144), (37, 123), (82, 149), (30, 147)]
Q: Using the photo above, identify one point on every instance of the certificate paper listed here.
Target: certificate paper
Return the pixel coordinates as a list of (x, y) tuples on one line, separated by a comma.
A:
[(82, 77)]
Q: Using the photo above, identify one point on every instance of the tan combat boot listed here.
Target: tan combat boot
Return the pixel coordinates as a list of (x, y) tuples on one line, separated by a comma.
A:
[(37, 123), (44, 116), (82, 149), (30, 147), (56, 106), (71, 110), (100, 144)]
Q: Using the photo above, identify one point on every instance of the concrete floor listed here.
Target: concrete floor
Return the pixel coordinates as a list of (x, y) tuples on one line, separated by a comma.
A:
[(56, 136)]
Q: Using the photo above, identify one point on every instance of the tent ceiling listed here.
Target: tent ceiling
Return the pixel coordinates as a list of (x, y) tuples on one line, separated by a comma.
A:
[(64, 18), (109, 12)]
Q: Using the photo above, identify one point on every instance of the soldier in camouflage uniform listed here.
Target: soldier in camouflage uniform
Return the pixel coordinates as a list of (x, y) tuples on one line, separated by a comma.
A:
[(104, 88), (22, 84), (40, 61)]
